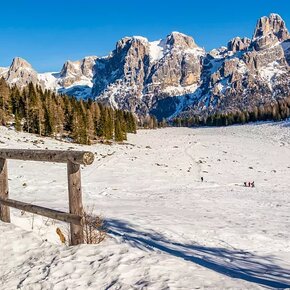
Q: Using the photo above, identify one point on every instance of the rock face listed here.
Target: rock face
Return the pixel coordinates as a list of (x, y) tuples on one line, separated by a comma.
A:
[(247, 73), (76, 71), (239, 44), (20, 73), (269, 30), (139, 73), (74, 79), (173, 76)]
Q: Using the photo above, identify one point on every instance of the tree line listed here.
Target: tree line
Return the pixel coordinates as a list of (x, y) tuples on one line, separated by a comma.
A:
[(275, 111), (45, 113)]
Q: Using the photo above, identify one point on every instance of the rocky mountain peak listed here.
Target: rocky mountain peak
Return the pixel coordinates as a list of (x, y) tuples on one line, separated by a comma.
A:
[(169, 76), (269, 30), (238, 44), (20, 73), (74, 71), (87, 66), (179, 39), (127, 42), (69, 67), (122, 42), (19, 62)]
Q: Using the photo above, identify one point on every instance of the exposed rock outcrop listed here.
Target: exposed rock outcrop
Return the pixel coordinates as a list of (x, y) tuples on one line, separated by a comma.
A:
[(20, 73), (247, 73), (269, 31), (138, 73), (76, 71), (174, 76), (239, 44)]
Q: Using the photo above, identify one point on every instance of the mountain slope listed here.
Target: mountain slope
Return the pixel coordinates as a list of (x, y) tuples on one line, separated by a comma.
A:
[(74, 79), (138, 71), (248, 72), (174, 76)]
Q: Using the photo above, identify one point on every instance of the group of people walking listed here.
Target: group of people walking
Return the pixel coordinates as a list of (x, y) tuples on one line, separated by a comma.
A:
[(246, 183), (249, 184)]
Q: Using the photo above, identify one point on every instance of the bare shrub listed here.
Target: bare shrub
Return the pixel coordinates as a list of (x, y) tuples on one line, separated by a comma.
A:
[(94, 228)]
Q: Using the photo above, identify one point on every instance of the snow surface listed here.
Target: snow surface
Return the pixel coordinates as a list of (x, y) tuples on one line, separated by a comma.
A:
[(140, 38), (3, 70), (269, 72), (50, 80), (79, 89), (180, 90), (197, 51), (166, 229), (178, 33), (156, 49)]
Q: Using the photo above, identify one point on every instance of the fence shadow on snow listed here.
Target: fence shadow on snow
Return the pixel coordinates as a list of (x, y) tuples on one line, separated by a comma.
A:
[(234, 263)]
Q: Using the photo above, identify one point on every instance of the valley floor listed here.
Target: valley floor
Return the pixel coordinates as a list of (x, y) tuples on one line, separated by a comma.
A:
[(166, 228)]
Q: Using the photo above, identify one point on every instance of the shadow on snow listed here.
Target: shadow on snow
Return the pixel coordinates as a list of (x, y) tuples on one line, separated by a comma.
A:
[(230, 262)]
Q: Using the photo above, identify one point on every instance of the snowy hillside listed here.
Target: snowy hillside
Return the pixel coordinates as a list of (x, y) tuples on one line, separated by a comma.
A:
[(166, 228)]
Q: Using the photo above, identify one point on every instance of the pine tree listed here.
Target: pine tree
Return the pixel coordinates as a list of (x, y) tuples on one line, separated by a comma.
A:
[(18, 126), (90, 127), (118, 131), (4, 102)]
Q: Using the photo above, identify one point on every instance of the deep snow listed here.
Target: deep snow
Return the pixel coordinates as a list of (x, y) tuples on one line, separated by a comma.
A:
[(167, 229)]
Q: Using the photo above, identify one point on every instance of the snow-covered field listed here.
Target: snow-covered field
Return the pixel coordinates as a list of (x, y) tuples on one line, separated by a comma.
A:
[(167, 229)]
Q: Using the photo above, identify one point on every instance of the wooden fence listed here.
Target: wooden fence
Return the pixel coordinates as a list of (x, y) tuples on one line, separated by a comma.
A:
[(73, 159)]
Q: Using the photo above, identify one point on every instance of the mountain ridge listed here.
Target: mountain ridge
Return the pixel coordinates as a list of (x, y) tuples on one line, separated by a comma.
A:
[(174, 76)]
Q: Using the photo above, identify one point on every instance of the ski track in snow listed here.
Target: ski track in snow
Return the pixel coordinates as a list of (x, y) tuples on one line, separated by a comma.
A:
[(166, 229)]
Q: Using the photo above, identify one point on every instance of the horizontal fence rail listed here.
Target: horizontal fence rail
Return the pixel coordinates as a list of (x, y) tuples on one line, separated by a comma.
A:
[(43, 211), (73, 159), (58, 156)]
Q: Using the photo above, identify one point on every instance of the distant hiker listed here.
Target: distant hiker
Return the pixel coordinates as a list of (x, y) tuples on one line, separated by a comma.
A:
[(245, 184), (249, 184), (253, 184), (201, 179)]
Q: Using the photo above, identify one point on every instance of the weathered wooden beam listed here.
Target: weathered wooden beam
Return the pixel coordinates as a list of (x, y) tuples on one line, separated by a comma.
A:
[(75, 201), (4, 191), (59, 156), (43, 211)]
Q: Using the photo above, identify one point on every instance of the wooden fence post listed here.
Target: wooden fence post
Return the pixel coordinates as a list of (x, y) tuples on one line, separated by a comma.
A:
[(75, 201), (4, 192)]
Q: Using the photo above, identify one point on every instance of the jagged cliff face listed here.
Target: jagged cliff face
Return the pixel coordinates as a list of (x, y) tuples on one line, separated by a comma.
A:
[(139, 73), (76, 71), (247, 73), (75, 78), (269, 31), (119, 78), (174, 76), (20, 73)]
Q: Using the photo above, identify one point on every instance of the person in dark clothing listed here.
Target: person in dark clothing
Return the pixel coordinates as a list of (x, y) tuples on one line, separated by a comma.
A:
[(253, 184), (249, 184), (245, 184), (201, 179)]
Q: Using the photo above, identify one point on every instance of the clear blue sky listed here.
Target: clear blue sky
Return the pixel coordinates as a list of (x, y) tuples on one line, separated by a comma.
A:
[(48, 32)]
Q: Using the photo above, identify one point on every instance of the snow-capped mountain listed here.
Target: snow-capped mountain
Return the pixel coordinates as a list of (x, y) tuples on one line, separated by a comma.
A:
[(19, 73), (75, 77), (174, 76), (139, 73), (247, 72)]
